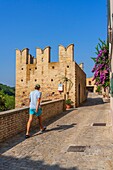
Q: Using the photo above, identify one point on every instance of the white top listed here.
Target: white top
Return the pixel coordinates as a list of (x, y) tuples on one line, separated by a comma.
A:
[(34, 96)]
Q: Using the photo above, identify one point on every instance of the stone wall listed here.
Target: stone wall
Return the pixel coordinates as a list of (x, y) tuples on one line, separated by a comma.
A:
[(30, 71), (91, 84), (80, 81), (14, 121)]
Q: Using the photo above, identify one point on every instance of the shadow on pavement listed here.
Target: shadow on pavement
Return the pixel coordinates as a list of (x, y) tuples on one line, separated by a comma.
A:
[(92, 102), (59, 128), (55, 118), (8, 144), (11, 163), (15, 140)]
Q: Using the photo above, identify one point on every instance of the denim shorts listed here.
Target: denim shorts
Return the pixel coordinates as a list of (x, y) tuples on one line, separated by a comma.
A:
[(33, 112)]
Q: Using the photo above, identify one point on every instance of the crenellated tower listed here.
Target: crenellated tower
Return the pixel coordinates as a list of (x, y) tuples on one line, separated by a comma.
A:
[(43, 56), (66, 54), (30, 71)]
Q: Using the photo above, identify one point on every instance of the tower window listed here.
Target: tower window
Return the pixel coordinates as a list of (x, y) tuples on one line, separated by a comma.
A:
[(35, 79), (21, 79), (35, 68), (53, 93), (67, 66), (21, 68), (30, 69), (51, 79), (53, 67)]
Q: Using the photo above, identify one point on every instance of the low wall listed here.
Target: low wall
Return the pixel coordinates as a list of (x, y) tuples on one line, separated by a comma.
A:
[(14, 121)]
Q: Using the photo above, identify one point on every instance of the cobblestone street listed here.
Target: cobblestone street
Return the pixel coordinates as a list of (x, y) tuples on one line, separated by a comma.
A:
[(55, 149)]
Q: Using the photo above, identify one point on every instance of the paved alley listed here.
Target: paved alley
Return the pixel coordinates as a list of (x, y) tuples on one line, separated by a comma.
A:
[(79, 139)]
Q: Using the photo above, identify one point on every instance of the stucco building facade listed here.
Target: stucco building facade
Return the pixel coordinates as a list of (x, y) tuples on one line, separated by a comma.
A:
[(90, 85), (110, 39), (66, 72)]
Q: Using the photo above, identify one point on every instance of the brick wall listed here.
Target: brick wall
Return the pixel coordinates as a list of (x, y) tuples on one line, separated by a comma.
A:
[(14, 121)]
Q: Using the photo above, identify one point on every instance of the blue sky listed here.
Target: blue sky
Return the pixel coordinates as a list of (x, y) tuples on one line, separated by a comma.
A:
[(41, 23)]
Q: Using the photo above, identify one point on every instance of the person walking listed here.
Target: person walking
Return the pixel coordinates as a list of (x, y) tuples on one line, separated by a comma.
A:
[(35, 109)]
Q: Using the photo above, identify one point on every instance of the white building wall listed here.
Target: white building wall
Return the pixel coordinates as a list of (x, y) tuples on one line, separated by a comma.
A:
[(110, 34)]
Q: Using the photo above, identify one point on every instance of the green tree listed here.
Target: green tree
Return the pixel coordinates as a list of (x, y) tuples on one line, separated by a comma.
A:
[(7, 97), (9, 102), (2, 101)]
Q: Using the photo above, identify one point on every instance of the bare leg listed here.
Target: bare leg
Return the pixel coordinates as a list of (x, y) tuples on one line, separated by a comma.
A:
[(29, 124), (40, 122)]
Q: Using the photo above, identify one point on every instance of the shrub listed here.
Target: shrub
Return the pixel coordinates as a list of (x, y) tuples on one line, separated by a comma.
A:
[(102, 65), (69, 101)]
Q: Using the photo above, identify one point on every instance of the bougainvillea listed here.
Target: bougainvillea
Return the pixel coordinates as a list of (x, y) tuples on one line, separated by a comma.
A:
[(102, 65)]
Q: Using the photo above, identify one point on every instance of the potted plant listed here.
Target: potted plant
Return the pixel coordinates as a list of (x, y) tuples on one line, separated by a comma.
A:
[(68, 103)]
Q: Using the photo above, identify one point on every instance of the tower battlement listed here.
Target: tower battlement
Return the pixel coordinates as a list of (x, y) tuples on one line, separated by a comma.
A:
[(31, 70), (43, 55), (23, 56), (66, 53)]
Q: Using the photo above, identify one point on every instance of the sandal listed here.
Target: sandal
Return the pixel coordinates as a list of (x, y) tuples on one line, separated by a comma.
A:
[(27, 136), (42, 130)]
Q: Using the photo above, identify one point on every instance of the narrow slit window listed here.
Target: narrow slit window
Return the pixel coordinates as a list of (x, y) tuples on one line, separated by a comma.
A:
[(53, 93)]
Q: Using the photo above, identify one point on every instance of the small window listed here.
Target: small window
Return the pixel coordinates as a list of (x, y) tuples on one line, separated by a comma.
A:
[(53, 93), (21, 79), (35, 79), (53, 67), (67, 66), (23, 104), (23, 92), (21, 68), (51, 79), (35, 68), (89, 82), (30, 69)]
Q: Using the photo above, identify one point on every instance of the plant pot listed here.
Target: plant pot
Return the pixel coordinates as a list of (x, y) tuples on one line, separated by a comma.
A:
[(68, 106), (106, 100)]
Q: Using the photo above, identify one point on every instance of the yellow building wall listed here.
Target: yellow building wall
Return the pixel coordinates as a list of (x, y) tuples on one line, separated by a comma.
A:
[(31, 71)]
